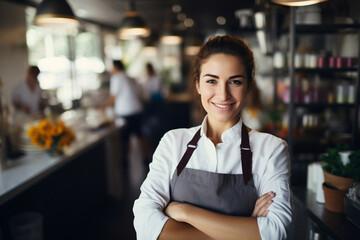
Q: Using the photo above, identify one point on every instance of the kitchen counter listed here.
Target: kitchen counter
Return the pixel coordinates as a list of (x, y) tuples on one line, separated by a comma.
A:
[(65, 190), (25, 171), (323, 222)]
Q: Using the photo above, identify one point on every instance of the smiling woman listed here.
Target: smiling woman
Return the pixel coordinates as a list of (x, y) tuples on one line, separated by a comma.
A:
[(220, 180)]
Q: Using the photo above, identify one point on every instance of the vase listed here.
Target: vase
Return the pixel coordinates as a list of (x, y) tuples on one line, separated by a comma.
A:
[(341, 183), (54, 151), (334, 198)]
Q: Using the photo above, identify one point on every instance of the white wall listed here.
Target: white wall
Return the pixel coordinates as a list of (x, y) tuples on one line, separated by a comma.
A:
[(13, 49)]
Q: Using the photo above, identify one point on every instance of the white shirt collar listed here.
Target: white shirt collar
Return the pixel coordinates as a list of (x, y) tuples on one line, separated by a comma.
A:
[(230, 134)]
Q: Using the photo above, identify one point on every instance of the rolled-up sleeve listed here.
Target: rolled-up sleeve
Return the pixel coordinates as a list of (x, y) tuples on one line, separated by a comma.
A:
[(276, 178), (155, 194)]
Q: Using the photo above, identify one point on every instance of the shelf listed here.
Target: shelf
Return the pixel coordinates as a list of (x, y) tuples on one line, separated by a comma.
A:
[(319, 106), (310, 144), (325, 70), (299, 145), (316, 70), (325, 28), (335, 225)]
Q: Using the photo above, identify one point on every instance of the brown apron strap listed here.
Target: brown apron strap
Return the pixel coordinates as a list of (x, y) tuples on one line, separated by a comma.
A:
[(189, 151), (246, 155)]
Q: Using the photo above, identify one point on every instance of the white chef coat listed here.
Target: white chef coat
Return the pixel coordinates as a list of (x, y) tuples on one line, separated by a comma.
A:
[(22, 93), (270, 168), (126, 100)]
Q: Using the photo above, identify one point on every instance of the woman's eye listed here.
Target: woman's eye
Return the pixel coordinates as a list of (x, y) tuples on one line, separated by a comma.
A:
[(237, 82), (211, 81)]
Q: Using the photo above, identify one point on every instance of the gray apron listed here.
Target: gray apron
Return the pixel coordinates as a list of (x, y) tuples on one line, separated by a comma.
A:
[(231, 194)]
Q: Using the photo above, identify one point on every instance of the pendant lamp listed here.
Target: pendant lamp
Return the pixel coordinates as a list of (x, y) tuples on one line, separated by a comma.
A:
[(171, 37), (133, 25), (171, 34), (192, 43), (57, 14), (297, 3)]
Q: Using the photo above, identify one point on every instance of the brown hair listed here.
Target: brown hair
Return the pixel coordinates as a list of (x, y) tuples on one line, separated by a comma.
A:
[(118, 64), (150, 69), (226, 45)]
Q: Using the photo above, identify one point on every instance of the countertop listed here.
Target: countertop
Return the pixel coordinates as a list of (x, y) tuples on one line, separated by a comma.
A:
[(333, 224), (23, 172)]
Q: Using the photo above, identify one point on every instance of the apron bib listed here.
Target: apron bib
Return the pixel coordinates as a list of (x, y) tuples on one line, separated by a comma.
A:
[(231, 194)]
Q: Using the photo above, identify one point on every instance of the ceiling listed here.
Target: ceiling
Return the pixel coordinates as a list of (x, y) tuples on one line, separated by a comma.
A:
[(157, 13)]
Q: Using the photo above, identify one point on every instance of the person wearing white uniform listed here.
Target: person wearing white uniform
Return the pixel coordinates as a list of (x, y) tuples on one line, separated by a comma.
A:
[(220, 180), (127, 105), (123, 92), (26, 96)]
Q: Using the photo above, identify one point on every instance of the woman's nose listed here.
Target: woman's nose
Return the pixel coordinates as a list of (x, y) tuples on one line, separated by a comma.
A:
[(223, 91)]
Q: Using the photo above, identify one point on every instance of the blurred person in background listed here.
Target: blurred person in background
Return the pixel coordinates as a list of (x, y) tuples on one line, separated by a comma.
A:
[(27, 95), (152, 92), (219, 180), (152, 85), (125, 99)]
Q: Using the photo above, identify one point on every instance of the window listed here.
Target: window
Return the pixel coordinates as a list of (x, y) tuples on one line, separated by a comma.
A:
[(70, 62)]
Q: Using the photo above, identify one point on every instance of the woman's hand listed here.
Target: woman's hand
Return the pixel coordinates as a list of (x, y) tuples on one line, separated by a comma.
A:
[(262, 205)]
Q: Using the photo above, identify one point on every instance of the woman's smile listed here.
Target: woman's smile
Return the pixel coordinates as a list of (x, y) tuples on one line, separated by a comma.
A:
[(223, 106)]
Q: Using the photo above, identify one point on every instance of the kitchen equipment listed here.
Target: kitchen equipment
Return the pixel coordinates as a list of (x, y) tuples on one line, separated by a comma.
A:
[(279, 60), (352, 205), (315, 178)]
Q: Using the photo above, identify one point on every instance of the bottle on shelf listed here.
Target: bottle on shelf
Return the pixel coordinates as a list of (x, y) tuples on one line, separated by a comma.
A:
[(298, 91), (351, 94), (316, 90), (341, 92), (306, 91)]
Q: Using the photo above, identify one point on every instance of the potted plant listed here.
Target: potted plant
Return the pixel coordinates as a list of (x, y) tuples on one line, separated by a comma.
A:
[(341, 168)]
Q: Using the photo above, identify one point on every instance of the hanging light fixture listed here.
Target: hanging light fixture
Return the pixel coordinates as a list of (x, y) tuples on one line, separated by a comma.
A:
[(192, 43), (171, 37), (171, 34), (133, 25), (55, 14), (297, 3)]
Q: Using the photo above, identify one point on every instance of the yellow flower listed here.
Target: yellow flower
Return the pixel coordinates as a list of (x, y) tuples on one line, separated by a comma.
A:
[(49, 134), (44, 127), (48, 143), (32, 132)]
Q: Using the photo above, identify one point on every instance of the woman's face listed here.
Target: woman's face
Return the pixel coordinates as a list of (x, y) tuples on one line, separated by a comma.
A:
[(223, 87)]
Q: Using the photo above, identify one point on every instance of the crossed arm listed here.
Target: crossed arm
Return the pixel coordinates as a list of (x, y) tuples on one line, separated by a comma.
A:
[(189, 222)]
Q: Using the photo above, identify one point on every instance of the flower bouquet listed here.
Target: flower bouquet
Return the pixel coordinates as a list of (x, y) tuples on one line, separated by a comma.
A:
[(50, 135)]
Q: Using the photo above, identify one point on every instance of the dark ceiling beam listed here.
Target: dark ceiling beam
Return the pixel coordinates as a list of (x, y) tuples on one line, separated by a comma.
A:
[(24, 2)]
